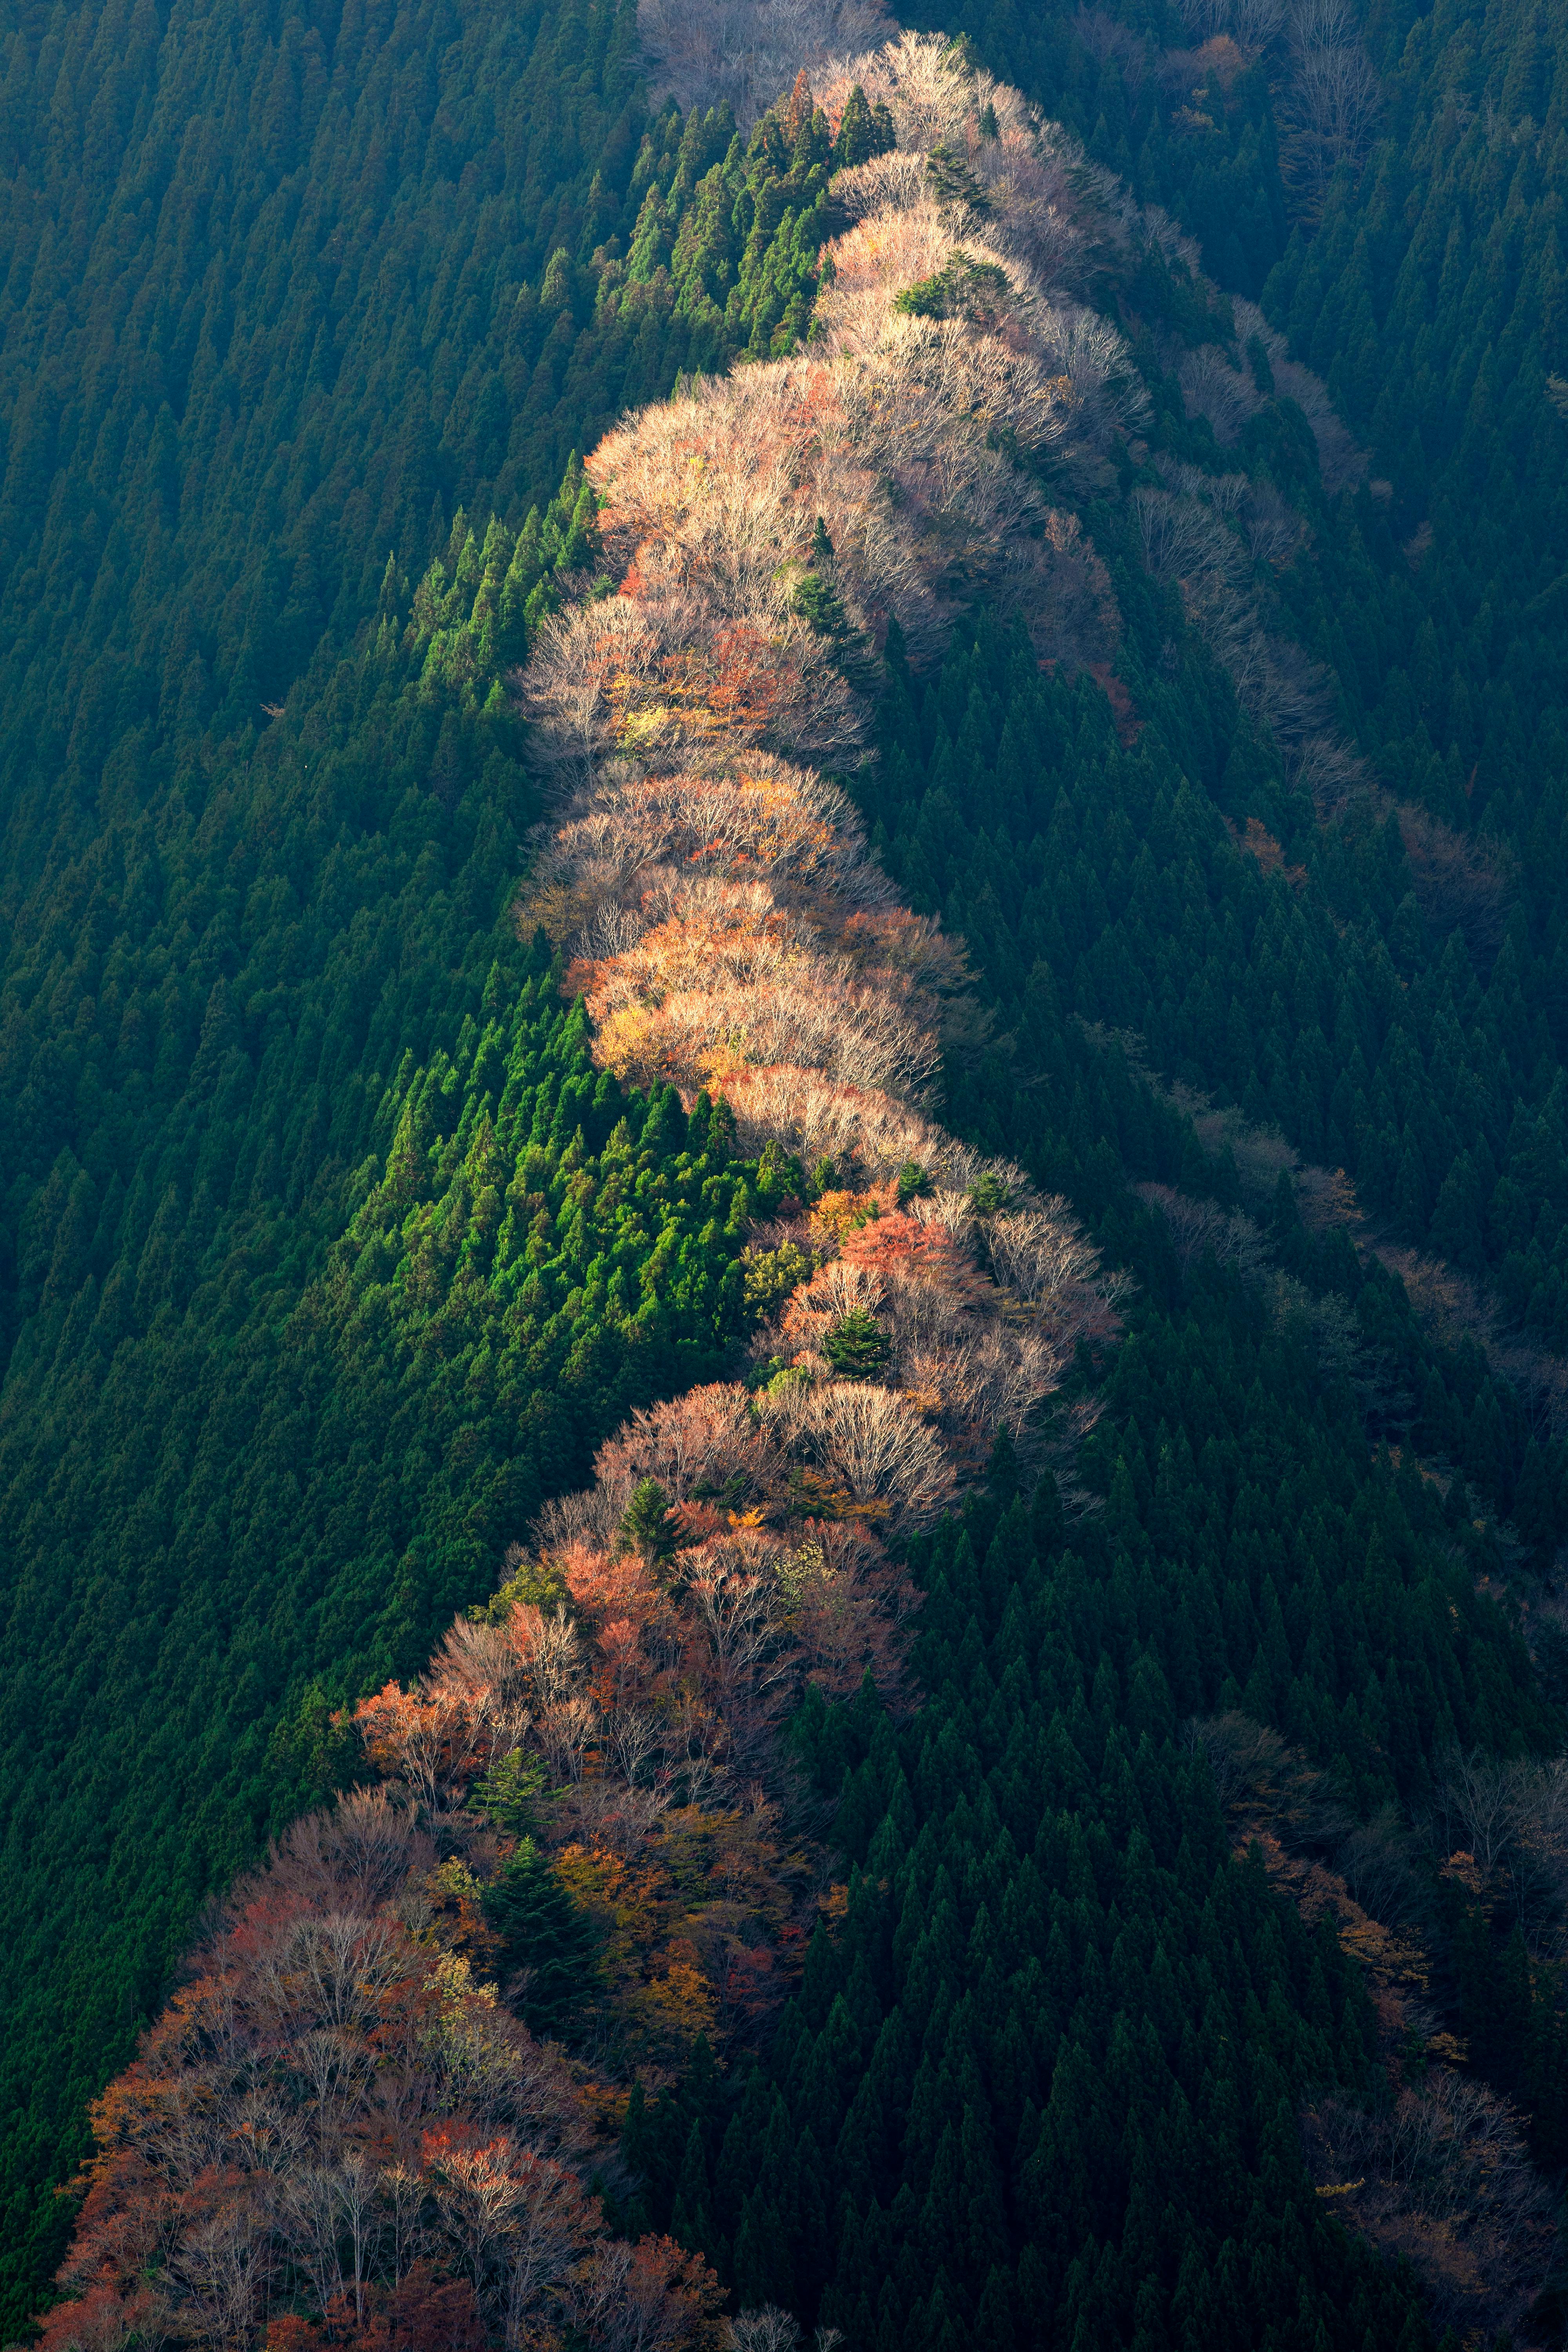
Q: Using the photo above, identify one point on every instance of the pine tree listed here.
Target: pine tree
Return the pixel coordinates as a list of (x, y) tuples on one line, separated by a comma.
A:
[(645, 1524), (855, 1345), (547, 1944)]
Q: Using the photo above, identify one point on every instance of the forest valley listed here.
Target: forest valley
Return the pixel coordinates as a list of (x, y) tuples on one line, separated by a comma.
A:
[(1005, 1794)]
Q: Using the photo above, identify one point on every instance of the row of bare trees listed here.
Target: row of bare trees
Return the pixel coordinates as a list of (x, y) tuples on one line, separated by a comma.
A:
[(1046, 220), (669, 1646), (1217, 538), (945, 340), (1441, 2175), (1442, 2179), (730, 930), (954, 332), (1328, 93)]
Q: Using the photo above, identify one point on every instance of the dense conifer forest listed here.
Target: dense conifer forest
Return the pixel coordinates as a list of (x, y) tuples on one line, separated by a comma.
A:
[(784, 1176)]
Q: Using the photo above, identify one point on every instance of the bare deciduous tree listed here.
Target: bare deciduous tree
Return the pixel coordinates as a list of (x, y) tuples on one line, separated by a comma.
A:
[(1443, 2179), (1197, 1226), (1331, 99), (743, 53)]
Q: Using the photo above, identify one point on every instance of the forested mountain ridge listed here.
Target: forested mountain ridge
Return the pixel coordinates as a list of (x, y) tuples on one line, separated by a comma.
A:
[(230, 924), (975, 754)]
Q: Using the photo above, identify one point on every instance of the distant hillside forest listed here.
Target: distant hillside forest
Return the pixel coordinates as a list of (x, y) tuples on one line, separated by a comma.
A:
[(784, 1176)]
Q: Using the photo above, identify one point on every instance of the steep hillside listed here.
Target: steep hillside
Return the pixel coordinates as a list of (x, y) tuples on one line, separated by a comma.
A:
[(1428, 300), (261, 818)]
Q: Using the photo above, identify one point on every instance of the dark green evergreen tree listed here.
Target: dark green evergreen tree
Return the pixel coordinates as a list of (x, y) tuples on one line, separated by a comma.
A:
[(547, 1949)]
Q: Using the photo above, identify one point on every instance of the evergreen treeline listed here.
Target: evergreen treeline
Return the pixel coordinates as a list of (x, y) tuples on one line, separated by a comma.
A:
[(350, 1259)]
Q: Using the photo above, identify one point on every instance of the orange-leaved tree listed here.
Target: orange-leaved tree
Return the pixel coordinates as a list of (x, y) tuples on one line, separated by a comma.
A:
[(336, 2124)]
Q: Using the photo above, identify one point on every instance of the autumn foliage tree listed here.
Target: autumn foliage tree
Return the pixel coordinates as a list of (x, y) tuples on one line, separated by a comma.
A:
[(337, 2125)]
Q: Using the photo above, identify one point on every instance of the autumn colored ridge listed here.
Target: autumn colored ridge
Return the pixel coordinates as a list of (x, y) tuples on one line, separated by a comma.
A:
[(357, 2122), (590, 1865)]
